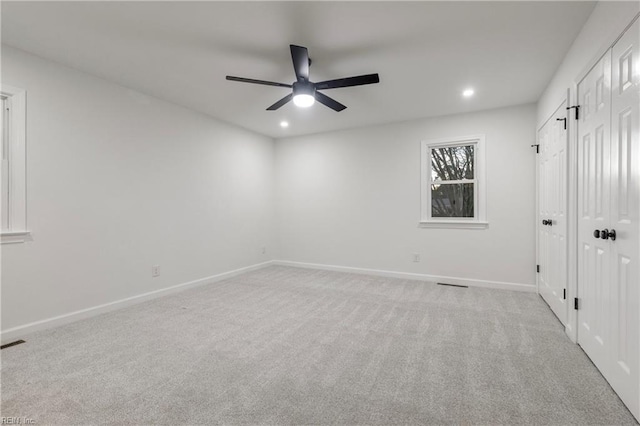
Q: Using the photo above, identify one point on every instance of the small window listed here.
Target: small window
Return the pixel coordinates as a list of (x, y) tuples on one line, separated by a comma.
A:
[(13, 169), (453, 186)]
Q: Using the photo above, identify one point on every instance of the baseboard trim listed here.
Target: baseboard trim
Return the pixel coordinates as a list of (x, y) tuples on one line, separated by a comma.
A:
[(531, 288), (22, 330)]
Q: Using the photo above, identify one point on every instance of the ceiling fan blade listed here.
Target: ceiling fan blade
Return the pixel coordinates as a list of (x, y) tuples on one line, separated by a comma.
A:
[(300, 58), (281, 102), (251, 80), (348, 82), (331, 103)]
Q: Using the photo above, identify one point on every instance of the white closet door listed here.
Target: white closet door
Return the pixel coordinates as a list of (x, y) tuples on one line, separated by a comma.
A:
[(609, 203), (594, 253), (625, 218), (552, 235)]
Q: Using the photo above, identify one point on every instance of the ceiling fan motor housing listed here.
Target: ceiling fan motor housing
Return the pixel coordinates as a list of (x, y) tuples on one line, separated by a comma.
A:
[(304, 87)]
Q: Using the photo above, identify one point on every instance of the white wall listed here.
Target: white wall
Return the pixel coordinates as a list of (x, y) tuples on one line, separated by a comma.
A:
[(605, 24), (118, 182), (352, 198)]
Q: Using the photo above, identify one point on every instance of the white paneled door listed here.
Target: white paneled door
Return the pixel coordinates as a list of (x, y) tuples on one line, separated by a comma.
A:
[(594, 166), (609, 217), (552, 212)]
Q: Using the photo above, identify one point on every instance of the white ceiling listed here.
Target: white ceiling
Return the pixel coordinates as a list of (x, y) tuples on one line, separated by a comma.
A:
[(425, 52)]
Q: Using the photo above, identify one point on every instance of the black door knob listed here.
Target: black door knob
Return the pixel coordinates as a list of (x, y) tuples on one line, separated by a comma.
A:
[(612, 234), (549, 222), (604, 234), (596, 233), (544, 221)]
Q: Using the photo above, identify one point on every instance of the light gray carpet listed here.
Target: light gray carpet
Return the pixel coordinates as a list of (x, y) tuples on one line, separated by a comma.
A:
[(292, 346)]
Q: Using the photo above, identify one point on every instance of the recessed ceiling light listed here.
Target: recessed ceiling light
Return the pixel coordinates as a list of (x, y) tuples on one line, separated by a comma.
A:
[(284, 124), (468, 93)]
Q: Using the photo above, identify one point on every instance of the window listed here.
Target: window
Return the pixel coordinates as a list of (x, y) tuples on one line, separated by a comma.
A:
[(13, 217), (453, 185)]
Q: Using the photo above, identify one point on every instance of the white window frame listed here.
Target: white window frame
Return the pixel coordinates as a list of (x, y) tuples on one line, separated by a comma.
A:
[(15, 137), (479, 221)]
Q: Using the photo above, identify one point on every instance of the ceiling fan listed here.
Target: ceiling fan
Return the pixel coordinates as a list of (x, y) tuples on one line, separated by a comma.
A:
[(305, 92)]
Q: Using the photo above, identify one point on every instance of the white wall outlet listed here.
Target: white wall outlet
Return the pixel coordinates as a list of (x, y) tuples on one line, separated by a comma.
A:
[(416, 257), (155, 271)]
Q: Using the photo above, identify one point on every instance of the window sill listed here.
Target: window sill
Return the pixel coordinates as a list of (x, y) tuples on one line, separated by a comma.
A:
[(14, 237), (458, 224)]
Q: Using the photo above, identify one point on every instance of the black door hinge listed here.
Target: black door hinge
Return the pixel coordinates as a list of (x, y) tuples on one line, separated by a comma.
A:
[(564, 294), (537, 148), (576, 305), (564, 120), (577, 108), (537, 268)]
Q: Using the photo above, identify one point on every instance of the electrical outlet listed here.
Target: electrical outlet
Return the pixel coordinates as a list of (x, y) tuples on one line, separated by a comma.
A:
[(264, 250), (416, 257), (155, 271)]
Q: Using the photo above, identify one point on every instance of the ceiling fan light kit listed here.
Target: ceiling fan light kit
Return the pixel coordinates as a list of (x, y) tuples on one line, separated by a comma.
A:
[(304, 92)]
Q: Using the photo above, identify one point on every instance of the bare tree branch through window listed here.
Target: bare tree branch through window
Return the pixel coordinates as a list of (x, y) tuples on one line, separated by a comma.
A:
[(449, 196)]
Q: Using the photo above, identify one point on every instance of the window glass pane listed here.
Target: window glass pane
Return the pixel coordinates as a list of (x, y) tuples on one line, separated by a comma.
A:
[(452, 200), (452, 163)]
